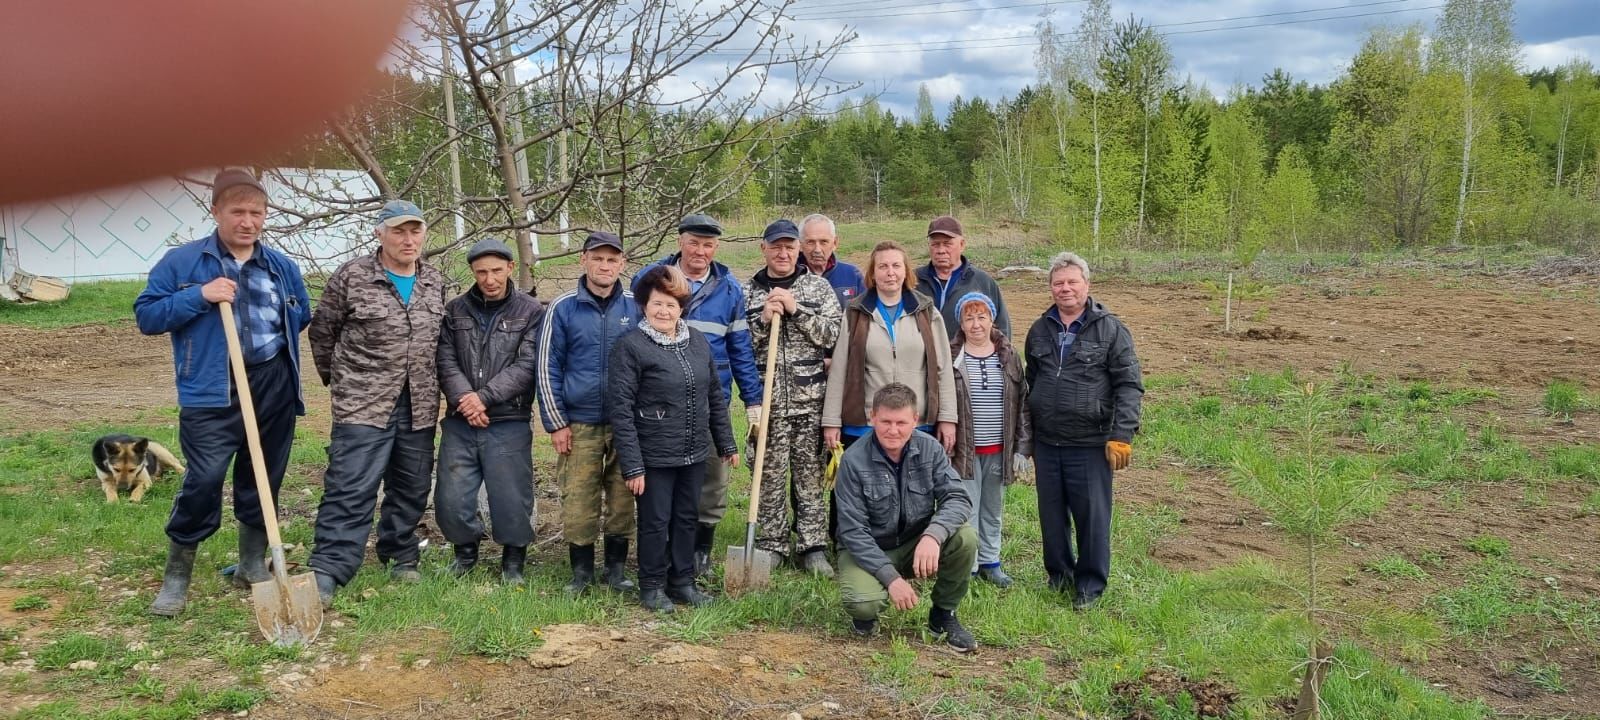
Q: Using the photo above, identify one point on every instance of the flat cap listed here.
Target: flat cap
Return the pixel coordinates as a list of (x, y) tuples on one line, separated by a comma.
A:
[(700, 224), (489, 246), (233, 177)]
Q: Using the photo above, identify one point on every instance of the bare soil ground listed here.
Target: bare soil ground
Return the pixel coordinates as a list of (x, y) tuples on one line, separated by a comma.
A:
[(1503, 334)]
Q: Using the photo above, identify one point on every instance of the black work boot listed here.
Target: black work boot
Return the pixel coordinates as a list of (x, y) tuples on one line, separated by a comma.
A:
[(704, 536), (656, 599), (512, 558), (616, 564), (582, 559), (174, 593), (326, 586), (689, 595), (466, 559), (944, 622), (252, 558)]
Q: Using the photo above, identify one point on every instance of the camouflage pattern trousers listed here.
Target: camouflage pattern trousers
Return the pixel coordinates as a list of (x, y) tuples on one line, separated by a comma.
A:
[(792, 474), (593, 495)]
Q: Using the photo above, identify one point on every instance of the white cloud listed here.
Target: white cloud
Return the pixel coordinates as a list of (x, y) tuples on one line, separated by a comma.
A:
[(1559, 52)]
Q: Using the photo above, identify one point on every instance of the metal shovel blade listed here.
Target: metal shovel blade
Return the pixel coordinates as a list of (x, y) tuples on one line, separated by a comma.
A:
[(747, 569), (288, 609)]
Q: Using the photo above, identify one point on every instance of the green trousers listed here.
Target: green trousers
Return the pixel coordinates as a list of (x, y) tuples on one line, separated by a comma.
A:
[(865, 598)]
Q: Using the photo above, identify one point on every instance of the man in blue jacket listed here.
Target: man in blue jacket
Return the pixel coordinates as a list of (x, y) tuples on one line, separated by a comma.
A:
[(819, 243), (271, 308), (570, 381), (716, 309)]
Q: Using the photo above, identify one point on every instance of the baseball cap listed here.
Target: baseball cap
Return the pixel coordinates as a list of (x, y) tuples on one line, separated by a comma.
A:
[(945, 225), (399, 212), (700, 224), (781, 229), (489, 246), (233, 177), (601, 238)]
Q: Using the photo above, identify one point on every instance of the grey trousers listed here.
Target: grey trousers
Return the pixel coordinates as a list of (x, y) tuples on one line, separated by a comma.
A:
[(987, 489), (360, 458), (498, 458)]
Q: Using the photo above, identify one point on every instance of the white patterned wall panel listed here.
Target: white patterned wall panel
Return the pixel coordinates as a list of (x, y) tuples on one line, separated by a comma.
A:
[(122, 232)]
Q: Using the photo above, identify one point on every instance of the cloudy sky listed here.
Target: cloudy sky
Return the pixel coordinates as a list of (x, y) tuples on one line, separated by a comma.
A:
[(986, 47)]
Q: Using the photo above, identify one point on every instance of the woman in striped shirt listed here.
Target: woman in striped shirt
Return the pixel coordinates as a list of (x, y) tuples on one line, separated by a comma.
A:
[(994, 437)]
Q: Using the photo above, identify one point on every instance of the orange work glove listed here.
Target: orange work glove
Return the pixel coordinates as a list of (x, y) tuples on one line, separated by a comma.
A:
[(1119, 454)]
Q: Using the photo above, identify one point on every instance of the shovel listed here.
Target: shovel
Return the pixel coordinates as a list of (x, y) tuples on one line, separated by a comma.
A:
[(288, 609), (746, 567)]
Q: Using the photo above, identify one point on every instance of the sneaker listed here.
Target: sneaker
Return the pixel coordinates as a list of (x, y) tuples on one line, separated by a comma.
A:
[(405, 572), (994, 576), (863, 628), (944, 622)]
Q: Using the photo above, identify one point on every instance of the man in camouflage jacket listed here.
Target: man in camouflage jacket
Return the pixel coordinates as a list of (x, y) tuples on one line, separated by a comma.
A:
[(792, 469), (374, 337)]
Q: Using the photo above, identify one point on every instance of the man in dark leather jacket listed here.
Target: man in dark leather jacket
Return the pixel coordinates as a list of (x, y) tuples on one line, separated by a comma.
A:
[(486, 358), (1085, 392)]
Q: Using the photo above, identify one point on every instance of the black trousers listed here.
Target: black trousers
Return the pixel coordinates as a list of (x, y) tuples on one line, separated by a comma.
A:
[(669, 512), (499, 457), (360, 458), (213, 438), (1074, 485)]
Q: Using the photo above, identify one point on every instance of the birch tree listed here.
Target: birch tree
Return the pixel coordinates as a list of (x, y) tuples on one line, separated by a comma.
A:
[(1473, 41)]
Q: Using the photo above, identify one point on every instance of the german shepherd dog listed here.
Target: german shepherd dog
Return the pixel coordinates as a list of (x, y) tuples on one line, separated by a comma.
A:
[(124, 461)]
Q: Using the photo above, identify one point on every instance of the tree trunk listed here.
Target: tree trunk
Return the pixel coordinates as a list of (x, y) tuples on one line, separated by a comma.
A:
[(1561, 141), (1144, 179), (1466, 163)]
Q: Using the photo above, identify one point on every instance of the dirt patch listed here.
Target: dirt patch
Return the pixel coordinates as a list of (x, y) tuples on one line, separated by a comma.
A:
[(605, 674), (27, 619), (1209, 698), (1276, 333)]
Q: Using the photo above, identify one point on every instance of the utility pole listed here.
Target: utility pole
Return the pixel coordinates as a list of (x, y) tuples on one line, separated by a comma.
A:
[(455, 147)]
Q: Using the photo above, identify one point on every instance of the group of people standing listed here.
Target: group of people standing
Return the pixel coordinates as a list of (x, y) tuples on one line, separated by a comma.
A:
[(911, 370)]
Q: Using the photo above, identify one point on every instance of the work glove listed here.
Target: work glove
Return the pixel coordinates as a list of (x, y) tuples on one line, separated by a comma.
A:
[(1020, 464), (752, 415), (830, 472), (1119, 454)]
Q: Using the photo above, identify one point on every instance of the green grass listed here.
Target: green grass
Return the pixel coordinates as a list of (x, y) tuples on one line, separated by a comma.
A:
[(1395, 567), (95, 303), (1489, 546), (1562, 398)]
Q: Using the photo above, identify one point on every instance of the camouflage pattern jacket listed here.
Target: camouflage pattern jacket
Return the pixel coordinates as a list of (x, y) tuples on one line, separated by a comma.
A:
[(368, 345), (806, 337)]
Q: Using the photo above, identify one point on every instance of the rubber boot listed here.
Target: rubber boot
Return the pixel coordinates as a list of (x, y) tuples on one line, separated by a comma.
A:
[(616, 576), (326, 586), (582, 559), (252, 558), (656, 599), (512, 558), (689, 595), (466, 558), (174, 593), (704, 536)]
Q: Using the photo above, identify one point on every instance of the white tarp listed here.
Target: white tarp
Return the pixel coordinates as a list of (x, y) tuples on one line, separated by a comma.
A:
[(120, 233)]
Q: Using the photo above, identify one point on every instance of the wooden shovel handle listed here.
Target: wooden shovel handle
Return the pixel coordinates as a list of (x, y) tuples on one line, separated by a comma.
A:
[(761, 431), (252, 434)]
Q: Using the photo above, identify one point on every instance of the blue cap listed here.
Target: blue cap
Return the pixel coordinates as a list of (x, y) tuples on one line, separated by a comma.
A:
[(973, 297), (781, 229), (399, 212)]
